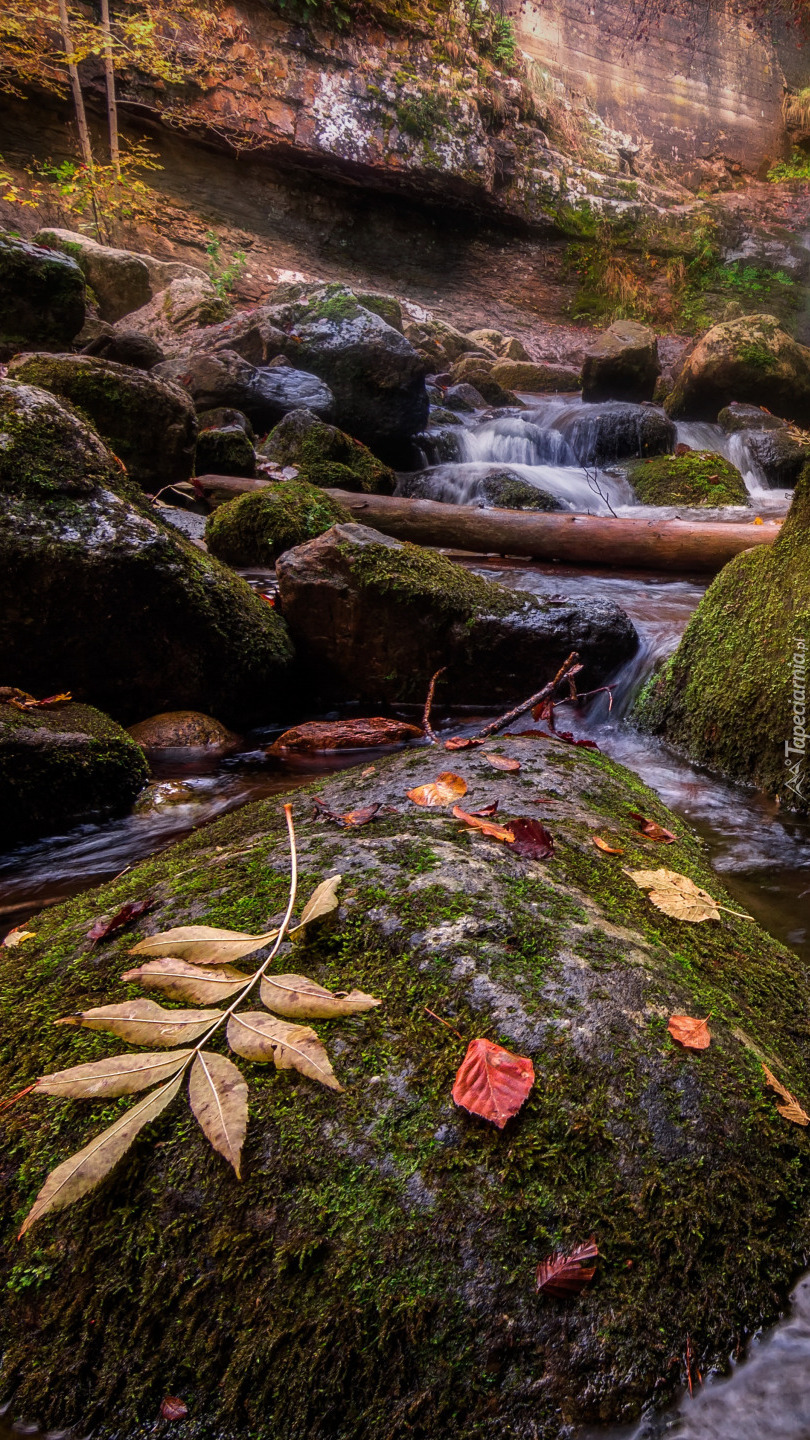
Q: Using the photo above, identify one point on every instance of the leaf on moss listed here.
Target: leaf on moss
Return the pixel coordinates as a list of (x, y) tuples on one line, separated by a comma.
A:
[(322, 902), (143, 1022), (532, 839), (564, 1275), (18, 936), (202, 944), (676, 895), (606, 847), (442, 791), (263, 1038), (117, 1075), (790, 1108), (218, 1095), (651, 830), (297, 998), (691, 1034), (492, 1082), (125, 916), (178, 980)]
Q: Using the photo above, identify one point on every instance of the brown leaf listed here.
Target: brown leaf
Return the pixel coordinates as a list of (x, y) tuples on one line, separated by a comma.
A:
[(297, 998), (180, 981), (790, 1109), (128, 912), (353, 818), (495, 832), (532, 839), (322, 902), (117, 1075), (50, 702), (492, 1082), (18, 936), (443, 791), (484, 811), (219, 1096), (344, 735), (502, 762), (691, 1034), (651, 830), (201, 944), (172, 1409), (463, 742), (263, 1038), (676, 895), (142, 1022), (606, 848), (564, 1275), (86, 1169)]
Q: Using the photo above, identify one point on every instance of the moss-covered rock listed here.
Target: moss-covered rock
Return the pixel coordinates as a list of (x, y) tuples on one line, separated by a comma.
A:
[(478, 371), (121, 280), (623, 364), (699, 478), (183, 730), (375, 618), (536, 379), (256, 529), (326, 456), (487, 486), (61, 766), (751, 361), (733, 695), (42, 297), (46, 448), (373, 1273), (149, 424), (224, 451)]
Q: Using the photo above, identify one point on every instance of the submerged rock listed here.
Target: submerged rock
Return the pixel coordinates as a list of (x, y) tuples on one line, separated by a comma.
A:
[(750, 360), (623, 364), (601, 434), (488, 487), (183, 730), (224, 451), (264, 393), (42, 297), (375, 618), (699, 478), (255, 529), (381, 1246), (326, 456)]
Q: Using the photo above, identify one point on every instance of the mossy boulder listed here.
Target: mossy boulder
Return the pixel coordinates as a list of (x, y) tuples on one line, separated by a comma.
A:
[(256, 529), (99, 598), (42, 297), (506, 347), (373, 1272), (224, 451), (536, 379), (751, 361), (183, 730), (698, 478), (622, 364), (478, 371), (121, 280), (326, 456), (616, 430), (149, 424), (375, 618), (187, 305), (733, 695), (734, 418), (61, 766)]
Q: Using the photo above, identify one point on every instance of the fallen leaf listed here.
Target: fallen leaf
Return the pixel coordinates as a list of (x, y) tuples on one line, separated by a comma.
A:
[(118, 1075), (492, 1082), (297, 998), (676, 895), (263, 1038), (691, 1034), (88, 1167), (605, 847), (344, 735), (219, 1095), (443, 791), (463, 742), (502, 762), (759, 520), (651, 830), (180, 981), (128, 912), (570, 739), (790, 1109), (201, 944), (18, 936), (322, 902), (544, 711), (172, 1409), (532, 839), (142, 1022), (369, 770), (50, 702), (353, 818), (484, 811), (564, 1275), (495, 832)]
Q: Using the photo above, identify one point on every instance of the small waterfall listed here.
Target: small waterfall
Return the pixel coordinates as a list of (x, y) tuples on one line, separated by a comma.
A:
[(515, 441), (700, 435)]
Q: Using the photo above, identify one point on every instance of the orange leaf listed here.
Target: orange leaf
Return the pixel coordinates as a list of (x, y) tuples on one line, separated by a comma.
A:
[(692, 1034), (603, 845), (462, 742), (495, 832), (442, 791), (503, 762), (564, 1275), (790, 1109), (491, 1082), (651, 830)]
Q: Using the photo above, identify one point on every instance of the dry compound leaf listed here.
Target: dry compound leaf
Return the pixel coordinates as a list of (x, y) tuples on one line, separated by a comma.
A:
[(492, 1082), (605, 846), (564, 1275), (201, 944), (676, 895), (218, 1095), (652, 831), (86, 1169), (502, 762), (297, 998), (692, 1034), (178, 980), (442, 791), (117, 1075), (260, 1037), (143, 1022), (790, 1109), (495, 832)]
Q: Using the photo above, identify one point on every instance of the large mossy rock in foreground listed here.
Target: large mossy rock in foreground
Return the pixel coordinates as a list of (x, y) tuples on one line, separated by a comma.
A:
[(733, 696), (63, 765), (373, 1274), (750, 361), (375, 618)]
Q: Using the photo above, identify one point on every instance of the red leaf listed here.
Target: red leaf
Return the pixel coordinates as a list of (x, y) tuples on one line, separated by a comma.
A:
[(128, 912), (532, 839), (651, 830), (361, 817), (462, 742), (173, 1409), (569, 739), (491, 1082), (564, 1275), (484, 811), (691, 1034)]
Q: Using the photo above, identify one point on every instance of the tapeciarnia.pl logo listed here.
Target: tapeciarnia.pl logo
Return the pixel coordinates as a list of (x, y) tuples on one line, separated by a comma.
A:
[(796, 746)]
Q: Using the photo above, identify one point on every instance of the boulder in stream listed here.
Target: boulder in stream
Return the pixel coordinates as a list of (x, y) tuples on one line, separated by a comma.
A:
[(623, 364), (602, 434), (255, 529), (781, 455), (700, 478), (385, 1217), (326, 456), (374, 618), (477, 371), (485, 486), (750, 360), (534, 378), (225, 450), (183, 730), (42, 297)]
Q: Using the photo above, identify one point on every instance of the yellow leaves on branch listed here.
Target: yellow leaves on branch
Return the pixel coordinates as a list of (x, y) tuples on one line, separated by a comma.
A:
[(218, 1097), (298, 998), (143, 1022), (263, 1038), (679, 897)]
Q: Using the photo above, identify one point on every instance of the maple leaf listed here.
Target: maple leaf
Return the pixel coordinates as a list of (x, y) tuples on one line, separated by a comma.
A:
[(492, 1082), (532, 839), (691, 1034), (564, 1275)]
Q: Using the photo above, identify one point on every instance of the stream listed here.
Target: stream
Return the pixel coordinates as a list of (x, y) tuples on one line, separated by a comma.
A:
[(762, 854)]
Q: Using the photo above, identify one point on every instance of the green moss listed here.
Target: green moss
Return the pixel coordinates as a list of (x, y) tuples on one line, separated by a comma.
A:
[(327, 457), (34, 428), (422, 116), (414, 574), (699, 478), (255, 529)]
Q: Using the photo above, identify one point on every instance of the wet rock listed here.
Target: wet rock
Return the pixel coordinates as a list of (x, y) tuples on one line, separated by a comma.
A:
[(487, 487), (42, 297), (121, 280), (700, 478), (222, 417), (183, 730), (262, 393), (536, 379), (62, 766), (226, 451), (441, 341), (99, 598), (463, 397), (326, 735), (622, 365), (149, 424), (602, 434), (748, 417), (477, 371), (439, 416), (375, 618), (750, 361), (327, 457), (125, 347), (781, 455), (255, 529)]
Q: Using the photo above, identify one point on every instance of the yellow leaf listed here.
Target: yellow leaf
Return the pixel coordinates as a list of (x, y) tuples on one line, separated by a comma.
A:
[(142, 1022), (262, 1038), (18, 937), (119, 1075), (322, 902), (180, 981), (218, 1096), (300, 999), (444, 791), (677, 895)]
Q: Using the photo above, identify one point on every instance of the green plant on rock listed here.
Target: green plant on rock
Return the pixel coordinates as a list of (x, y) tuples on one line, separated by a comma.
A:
[(195, 963), (223, 276), (797, 167)]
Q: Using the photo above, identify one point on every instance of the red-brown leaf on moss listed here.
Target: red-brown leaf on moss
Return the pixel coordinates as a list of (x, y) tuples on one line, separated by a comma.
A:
[(652, 830), (128, 912), (692, 1034), (492, 1082), (564, 1275), (172, 1408), (532, 839)]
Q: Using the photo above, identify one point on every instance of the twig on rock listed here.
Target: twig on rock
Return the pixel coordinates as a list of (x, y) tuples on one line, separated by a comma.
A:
[(544, 694)]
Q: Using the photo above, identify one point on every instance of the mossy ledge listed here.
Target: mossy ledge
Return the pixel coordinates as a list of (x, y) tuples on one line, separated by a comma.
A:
[(699, 478), (385, 1215)]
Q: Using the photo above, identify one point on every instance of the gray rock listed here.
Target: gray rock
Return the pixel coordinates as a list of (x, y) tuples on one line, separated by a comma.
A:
[(602, 434), (265, 394), (496, 487), (463, 397), (42, 297), (225, 451), (780, 455), (121, 280), (224, 415), (623, 364), (748, 417), (125, 347)]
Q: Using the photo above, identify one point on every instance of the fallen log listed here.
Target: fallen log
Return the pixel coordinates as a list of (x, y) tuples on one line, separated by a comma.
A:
[(681, 545), (217, 490)]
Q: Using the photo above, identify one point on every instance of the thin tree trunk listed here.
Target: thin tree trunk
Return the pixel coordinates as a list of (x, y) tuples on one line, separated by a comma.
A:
[(112, 103), (78, 105)]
